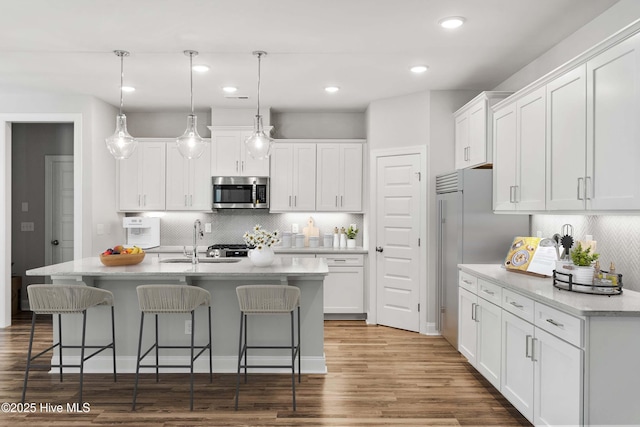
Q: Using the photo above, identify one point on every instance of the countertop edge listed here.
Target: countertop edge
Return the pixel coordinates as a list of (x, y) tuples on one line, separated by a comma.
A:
[(468, 268)]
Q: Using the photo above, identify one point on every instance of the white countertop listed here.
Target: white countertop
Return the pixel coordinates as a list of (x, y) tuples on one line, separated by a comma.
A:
[(150, 266), (542, 290)]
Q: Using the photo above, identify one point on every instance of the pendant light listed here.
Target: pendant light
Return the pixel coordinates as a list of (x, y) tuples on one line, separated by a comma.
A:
[(190, 144), (121, 145), (258, 145)]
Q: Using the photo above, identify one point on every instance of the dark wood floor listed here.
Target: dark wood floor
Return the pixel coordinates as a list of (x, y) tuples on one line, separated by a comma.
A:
[(377, 376)]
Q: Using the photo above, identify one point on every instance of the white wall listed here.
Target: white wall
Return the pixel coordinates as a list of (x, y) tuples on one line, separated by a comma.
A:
[(611, 21), (402, 121), (90, 117), (319, 125), (166, 124), (238, 116)]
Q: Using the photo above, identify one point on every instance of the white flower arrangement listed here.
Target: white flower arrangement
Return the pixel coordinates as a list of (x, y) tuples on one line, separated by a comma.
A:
[(261, 238)]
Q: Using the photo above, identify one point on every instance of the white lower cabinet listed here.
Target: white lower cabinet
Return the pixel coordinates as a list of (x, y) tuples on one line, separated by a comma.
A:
[(344, 286), (479, 326)]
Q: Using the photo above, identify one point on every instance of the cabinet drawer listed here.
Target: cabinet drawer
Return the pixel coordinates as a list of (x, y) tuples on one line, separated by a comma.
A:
[(467, 281), (559, 323), (490, 292), (517, 304), (343, 260)]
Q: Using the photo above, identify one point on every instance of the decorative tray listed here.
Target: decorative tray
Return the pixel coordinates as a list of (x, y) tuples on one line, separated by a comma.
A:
[(565, 282)]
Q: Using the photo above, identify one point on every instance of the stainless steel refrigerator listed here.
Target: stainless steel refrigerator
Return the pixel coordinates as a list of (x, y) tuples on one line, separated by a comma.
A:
[(468, 233)]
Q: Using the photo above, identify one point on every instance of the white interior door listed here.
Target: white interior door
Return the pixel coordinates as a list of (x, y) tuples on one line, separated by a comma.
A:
[(398, 204), (59, 209)]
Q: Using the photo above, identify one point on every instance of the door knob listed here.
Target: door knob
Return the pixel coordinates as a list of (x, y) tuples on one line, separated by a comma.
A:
[(55, 242), (379, 249)]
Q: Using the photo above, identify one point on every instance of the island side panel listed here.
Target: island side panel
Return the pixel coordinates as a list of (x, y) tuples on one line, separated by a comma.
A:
[(263, 330)]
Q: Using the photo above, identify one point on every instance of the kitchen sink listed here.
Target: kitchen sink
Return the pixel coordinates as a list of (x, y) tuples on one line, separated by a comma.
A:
[(201, 260)]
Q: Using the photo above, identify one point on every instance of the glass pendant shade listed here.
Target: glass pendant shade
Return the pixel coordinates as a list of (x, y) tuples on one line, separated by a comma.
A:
[(190, 144), (259, 144), (121, 145)]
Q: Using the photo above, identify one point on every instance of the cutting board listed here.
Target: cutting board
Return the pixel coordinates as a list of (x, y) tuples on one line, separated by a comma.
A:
[(310, 231)]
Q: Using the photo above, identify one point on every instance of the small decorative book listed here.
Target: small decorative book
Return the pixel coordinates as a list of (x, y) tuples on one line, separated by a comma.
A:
[(532, 255)]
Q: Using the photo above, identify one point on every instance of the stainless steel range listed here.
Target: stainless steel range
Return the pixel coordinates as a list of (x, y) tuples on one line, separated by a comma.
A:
[(223, 250)]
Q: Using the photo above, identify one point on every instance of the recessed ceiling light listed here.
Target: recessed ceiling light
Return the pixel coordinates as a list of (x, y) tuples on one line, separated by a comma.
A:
[(419, 69), (128, 88), (451, 22), (230, 89), (201, 68), (332, 89)]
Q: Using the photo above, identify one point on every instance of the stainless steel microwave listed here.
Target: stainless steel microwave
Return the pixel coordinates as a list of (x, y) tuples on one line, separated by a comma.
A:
[(240, 192)]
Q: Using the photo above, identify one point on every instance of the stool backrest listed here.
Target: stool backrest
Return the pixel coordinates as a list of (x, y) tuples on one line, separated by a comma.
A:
[(268, 298), (53, 299), (171, 298)]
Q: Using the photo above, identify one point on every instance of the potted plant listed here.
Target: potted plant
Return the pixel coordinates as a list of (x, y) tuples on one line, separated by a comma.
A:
[(262, 242), (352, 232), (581, 266)]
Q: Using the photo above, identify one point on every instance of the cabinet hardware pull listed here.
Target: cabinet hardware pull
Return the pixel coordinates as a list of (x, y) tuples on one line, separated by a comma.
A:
[(486, 291), (579, 180), (144, 200), (237, 170), (476, 312), (336, 201), (467, 282), (515, 304), (526, 353), (586, 187), (295, 201), (339, 260), (191, 200), (511, 194), (242, 165), (139, 200), (533, 349), (515, 194), (185, 200), (289, 201), (473, 311), (554, 323), (341, 202)]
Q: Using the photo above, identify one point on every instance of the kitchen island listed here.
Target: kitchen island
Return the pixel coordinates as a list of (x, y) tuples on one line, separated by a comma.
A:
[(221, 280)]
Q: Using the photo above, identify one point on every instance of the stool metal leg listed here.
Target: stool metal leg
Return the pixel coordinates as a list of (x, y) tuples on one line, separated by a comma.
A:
[(246, 350), (135, 387), (84, 334), (60, 342), (113, 337), (157, 353), (293, 365), (299, 350), (193, 332), (210, 350), (239, 357), (26, 371)]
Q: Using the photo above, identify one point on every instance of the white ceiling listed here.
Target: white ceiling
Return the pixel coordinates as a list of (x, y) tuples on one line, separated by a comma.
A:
[(363, 46)]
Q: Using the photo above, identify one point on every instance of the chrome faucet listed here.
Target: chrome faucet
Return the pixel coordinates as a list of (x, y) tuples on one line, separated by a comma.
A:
[(197, 232)]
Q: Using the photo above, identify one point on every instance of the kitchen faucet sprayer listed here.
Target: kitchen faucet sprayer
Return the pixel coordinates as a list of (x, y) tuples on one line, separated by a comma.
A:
[(197, 232)]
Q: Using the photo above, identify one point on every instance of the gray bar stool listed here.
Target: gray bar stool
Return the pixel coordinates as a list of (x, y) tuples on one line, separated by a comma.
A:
[(67, 299), (261, 300), (171, 299)]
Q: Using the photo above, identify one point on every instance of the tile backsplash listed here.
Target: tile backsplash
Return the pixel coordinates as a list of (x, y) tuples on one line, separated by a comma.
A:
[(617, 237), (228, 226)]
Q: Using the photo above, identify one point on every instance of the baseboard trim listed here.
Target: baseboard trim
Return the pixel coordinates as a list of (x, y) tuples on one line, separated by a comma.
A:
[(432, 329)]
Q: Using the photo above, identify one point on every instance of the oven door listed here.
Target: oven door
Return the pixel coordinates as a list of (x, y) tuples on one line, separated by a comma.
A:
[(240, 193)]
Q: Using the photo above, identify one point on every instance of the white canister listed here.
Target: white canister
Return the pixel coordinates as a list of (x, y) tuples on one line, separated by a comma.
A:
[(328, 240), (286, 239), (314, 241), (299, 240)]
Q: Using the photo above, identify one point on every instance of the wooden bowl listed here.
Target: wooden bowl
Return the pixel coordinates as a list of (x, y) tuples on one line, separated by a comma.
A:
[(121, 259)]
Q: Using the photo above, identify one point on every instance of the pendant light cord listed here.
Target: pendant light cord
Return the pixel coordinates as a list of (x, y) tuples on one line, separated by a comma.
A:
[(191, 74), (121, 55), (259, 58)]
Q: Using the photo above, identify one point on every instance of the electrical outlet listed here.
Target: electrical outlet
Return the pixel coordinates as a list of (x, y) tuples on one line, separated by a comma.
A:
[(187, 327), (207, 227), (27, 226), (294, 228)]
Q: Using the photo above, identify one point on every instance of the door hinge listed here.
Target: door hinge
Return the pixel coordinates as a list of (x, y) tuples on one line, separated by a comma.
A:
[(418, 241), (418, 308), (419, 175)]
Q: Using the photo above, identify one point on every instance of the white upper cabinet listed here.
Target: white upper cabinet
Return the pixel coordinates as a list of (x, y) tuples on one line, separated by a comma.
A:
[(613, 133), (188, 181), (519, 158), (142, 178), (473, 130), (293, 177), (339, 177), (566, 140), (229, 156)]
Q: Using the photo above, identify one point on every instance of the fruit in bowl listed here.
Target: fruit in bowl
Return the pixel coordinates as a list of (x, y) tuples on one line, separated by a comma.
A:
[(119, 255)]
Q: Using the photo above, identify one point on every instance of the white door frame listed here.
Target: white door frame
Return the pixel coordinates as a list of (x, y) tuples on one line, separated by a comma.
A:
[(422, 151), (5, 193)]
